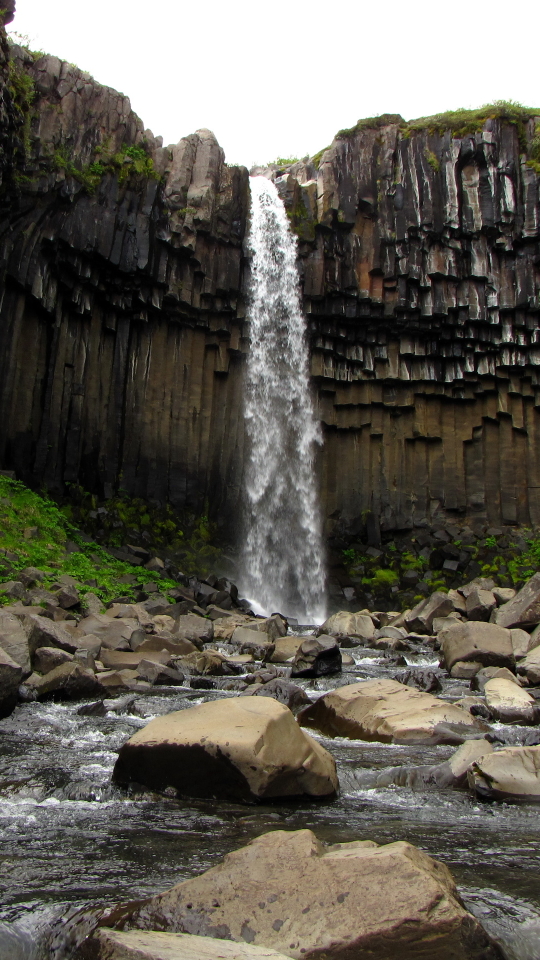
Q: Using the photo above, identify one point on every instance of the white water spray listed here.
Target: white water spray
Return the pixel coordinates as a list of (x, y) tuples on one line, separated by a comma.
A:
[(283, 567)]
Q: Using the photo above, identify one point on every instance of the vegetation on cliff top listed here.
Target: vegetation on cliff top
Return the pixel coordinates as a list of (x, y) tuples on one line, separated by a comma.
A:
[(460, 123)]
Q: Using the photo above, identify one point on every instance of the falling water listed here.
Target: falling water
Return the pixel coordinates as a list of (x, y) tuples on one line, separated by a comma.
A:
[(283, 563)]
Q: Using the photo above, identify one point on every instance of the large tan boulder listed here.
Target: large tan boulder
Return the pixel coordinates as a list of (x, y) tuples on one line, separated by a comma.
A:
[(155, 945), (352, 900), (390, 712), (485, 643), (529, 667), (509, 703), (511, 774), (524, 609), (242, 748), (345, 624)]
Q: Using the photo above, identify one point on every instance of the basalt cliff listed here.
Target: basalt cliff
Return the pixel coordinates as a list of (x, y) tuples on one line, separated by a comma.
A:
[(123, 324)]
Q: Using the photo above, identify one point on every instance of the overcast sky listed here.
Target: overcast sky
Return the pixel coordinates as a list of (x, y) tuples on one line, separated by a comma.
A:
[(279, 80)]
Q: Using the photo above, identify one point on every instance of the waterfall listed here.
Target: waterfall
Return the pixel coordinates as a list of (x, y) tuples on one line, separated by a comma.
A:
[(282, 565)]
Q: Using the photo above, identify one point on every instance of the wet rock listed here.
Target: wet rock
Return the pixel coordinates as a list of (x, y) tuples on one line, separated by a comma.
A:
[(47, 658), (95, 709), (529, 667), (197, 629), (348, 624), (509, 703), (524, 609), (159, 675), (465, 669), (317, 657), (425, 680), (288, 891), (511, 774), (154, 945), (451, 773), (389, 712), (285, 648), (477, 706), (69, 680), (243, 748), (11, 674), (390, 643), (291, 695), (421, 617), (486, 643)]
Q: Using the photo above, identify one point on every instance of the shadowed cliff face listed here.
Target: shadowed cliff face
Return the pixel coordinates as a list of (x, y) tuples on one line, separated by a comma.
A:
[(122, 327)]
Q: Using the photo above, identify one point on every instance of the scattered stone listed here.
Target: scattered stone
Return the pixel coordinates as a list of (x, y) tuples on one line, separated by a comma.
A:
[(69, 680), (291, 695), (521, 642), (509, 703), (155, 564), (524, 609), (317, 657), (120, 660), (486, 643), (194, 628), (235, 749), (503, 594), (285, 648), (421, 617), (476, 706), (177, 646), (205, 662), (425, 680), (92, 604), (30, 576), (529, 667), (47, 658), (465, 669), (13, 589), (511, 774), (491, 673), (67, 597), (159, 675), (14, 640), (45, 633), (348, 625), (95, 709), (479, 604), (390, 712), (290, 892)]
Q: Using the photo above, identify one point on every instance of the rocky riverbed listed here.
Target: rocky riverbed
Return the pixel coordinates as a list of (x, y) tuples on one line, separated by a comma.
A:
[(411, 741)]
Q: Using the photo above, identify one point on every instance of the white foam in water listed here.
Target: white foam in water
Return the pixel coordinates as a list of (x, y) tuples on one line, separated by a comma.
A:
[(282, 564)]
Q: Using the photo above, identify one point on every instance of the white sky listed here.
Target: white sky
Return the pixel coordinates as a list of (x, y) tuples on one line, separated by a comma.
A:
[(279, 80)]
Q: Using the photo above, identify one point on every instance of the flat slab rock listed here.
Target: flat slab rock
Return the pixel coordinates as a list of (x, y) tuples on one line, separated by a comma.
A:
[(390, 712), (511, 774), (154, 945), (241, 748), (288, 891)]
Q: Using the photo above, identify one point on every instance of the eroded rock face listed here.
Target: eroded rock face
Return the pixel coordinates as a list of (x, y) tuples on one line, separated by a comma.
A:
[(389, 712), (291, 893), (242, 749)]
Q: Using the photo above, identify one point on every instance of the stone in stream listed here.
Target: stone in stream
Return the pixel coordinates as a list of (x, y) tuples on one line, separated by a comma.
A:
[(524, 609), (317, 657), (11, 674), (291, 893), (156, 945), (158, 674), (425, 680), (478, 682), (465, 669), (390, 712), (485, 643), (345, 624), (452, 773), (69, 680), (285, 648), (509, 703), (511, 774), (243, 749), (293, 696)]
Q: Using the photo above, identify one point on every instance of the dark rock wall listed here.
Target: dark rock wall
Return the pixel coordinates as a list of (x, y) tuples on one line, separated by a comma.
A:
[(122, 329)]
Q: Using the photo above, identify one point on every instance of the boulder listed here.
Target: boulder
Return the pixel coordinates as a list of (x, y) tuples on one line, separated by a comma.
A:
[(453, 772), (529, 667), (13, 589), (521, 642), (390, 712), (275, 626), (224, 627), (480, 678), (511, 774), (11, 674), (421, 617), (283, 691), (509, 703), (317, 657), (485, 643), (69, 680), (156, 945), (503, 594), (47, 658), (289, 892), (177, 646), (243, 748), (465, 669), (197, 629), (90, 643), (130, 660), (67, 596), (43, 632), (205, 662), (285, 649), (159, 675), (425, 680), (479, 604), (524, 609), (345, 624), (14, 640), (475, 705)]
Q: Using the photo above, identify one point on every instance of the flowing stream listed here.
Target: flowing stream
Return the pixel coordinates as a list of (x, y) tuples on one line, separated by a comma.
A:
[(282, 564), (69, 839)]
